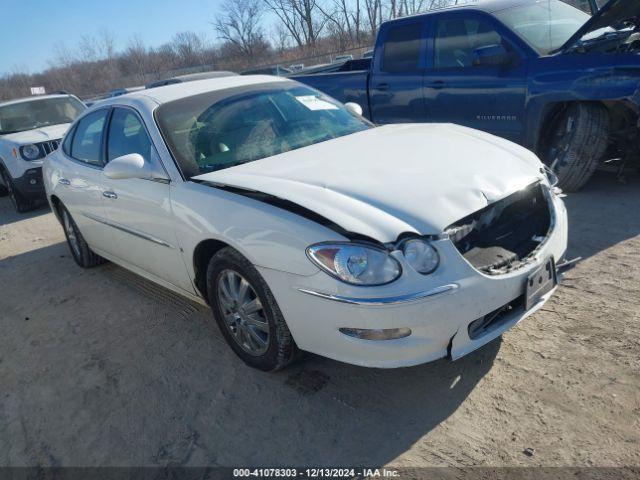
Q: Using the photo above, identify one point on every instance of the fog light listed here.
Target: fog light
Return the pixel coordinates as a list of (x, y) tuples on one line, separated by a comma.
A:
[(376, 334), (33, 181)]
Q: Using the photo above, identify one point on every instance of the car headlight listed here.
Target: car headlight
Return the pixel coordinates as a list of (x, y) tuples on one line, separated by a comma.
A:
[(355, 264), (421, 255), (31, 152), (552, 178)]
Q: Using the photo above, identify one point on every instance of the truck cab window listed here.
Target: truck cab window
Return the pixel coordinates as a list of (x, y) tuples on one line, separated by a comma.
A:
[(402, 48), (458, 38)]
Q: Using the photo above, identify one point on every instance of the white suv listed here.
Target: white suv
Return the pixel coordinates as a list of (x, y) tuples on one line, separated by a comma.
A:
[(30, 129)]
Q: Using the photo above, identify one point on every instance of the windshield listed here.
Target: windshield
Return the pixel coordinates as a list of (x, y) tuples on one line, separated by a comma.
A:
[(22, 116), (546, 25), (213, 131)]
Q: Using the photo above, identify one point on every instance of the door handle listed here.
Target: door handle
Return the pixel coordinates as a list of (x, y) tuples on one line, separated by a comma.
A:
[(438, 84), (64, 181), (109, 194), (382, 86)]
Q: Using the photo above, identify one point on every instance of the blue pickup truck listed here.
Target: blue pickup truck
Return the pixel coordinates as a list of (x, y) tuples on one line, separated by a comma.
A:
[(538, 72)]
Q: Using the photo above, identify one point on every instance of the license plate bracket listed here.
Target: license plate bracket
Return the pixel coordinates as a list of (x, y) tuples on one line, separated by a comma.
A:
[(540, 282)]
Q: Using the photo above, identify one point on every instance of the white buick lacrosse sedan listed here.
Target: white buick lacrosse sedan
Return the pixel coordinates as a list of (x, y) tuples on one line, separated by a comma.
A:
[(305, 227)]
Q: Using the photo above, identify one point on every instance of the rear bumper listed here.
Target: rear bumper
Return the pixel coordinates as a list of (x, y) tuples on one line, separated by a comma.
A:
[(30, 184)]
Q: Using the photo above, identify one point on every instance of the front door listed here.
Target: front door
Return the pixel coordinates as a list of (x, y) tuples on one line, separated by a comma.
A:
[(459, 89), (139, 211)]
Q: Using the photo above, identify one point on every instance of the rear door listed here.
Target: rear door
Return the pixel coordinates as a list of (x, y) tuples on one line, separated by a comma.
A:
[(81, 182), (458, 90), (138, 210), (395, 84)]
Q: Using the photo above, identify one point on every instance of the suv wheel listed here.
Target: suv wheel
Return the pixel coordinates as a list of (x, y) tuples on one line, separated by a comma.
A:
[(20, 203), (80, 251), (247, 313)]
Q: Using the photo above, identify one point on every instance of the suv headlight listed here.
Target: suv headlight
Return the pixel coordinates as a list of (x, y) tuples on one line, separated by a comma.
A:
[(421, 255), (356, 264), (31, 152)]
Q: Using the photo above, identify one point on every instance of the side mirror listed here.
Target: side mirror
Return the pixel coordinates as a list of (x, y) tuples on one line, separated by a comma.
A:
[(353, 108), (492, 56), (132, 165)]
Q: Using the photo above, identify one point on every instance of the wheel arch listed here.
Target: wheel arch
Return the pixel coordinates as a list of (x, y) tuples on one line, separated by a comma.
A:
[(55, 206), (202, 254)]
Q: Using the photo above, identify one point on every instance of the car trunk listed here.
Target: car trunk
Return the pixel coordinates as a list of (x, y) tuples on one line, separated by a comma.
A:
[(503, 236)]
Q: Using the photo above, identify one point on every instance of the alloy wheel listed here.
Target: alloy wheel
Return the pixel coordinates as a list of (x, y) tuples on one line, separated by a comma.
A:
[(71, 233), (242, 311)]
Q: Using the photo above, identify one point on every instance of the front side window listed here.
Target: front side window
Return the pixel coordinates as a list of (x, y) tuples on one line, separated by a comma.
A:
[(87, 139), (127, 135), (213, 131), (546, 26), (458, 38), (402, 45), (22, 116)]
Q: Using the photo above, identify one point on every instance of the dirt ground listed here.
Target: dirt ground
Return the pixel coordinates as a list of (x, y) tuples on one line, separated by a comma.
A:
[(100, 367)]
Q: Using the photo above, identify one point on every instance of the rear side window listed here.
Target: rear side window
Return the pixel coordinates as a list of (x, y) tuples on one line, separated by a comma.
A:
[(458, 38), (401, 51), (87, 140), (127, 135)]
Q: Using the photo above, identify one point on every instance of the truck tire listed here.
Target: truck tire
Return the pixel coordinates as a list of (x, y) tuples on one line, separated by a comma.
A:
[(247, 312), (20, 203), (579, 137)]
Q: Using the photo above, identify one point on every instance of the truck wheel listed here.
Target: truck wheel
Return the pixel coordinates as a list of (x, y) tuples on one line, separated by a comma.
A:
[(247, 313), (79, 248), (20, 203), (579, 137)]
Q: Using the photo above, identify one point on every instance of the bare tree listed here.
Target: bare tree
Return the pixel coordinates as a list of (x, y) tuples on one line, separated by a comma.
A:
[(301, 18), (240, 26), (189, 48)]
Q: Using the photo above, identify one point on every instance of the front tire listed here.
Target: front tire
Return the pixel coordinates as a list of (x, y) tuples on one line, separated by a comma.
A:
[(20, 203), (79, 248), (579, 137), (247, 313)]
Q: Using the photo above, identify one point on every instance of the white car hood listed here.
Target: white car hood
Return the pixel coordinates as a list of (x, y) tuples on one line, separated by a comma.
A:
[(42, 134), (393, 179)]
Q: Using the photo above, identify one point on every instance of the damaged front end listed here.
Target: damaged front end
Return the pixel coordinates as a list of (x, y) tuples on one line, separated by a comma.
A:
[(505, 235)]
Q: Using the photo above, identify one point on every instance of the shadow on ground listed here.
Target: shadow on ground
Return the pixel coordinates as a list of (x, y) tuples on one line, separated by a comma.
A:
[(101, 367), (8, 215), (602, 214)]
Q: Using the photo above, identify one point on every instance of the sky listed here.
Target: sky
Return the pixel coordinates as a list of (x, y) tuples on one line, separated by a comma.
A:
[(32, 28)]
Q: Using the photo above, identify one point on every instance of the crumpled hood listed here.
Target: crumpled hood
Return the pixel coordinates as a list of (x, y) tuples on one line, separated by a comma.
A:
[(393, 179), (42, 134)]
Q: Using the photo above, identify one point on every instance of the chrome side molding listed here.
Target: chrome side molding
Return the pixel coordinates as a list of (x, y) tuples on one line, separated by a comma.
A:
[(130, 231), (382, 301)]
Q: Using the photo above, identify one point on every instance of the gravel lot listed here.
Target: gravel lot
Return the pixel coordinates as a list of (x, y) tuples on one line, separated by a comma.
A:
[(100, 367)]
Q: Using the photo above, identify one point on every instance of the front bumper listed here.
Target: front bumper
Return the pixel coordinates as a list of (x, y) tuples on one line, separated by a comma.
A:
[(438, 308), (30, 184)]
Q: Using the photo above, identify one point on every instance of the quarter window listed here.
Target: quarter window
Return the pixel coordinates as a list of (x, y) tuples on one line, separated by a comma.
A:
[(87, 140), (458, 38), (127, 135), (402, 48)]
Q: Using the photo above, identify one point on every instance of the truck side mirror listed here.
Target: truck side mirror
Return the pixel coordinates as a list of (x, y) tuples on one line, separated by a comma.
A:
[(353, 108), (492, 56)]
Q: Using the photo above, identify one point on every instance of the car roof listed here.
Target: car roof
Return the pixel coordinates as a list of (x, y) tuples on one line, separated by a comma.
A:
[(35, 97), (177, 91), (489, 6)]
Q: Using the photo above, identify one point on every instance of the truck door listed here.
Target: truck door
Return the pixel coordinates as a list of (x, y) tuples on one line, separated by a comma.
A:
[(395, 85), (476, 75)]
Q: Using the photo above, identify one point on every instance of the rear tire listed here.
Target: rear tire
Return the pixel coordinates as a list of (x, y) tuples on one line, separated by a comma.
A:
[(20, 203), (247, 313), (579, 138), (79, 248)]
